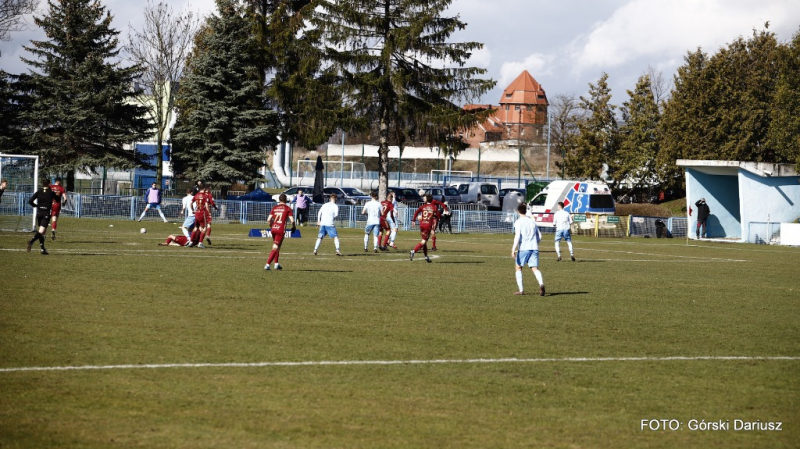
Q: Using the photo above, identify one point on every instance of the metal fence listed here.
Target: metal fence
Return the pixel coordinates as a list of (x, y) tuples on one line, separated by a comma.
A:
[(764, 233), (465, 218), (649, 227)]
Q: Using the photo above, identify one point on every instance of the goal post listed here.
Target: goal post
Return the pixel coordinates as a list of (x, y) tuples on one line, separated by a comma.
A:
[(334, 170), (22, 174)]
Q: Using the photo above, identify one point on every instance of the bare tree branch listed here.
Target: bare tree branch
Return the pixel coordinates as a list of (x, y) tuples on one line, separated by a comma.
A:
[(11, 16), (161, 49)]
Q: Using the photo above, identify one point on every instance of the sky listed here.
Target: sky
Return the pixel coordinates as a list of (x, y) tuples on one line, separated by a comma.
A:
[(564, 44)]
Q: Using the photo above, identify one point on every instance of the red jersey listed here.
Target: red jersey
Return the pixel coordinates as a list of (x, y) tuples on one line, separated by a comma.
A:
[(386, 208), (200, 201), (59, 191), (438, 204), (180, 240), (278, 217), (426, 214)]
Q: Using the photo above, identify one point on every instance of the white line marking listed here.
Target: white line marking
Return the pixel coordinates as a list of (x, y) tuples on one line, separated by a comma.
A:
[(398, 362)]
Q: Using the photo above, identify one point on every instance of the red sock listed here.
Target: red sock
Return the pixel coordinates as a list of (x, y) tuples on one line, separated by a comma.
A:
[(434, 240), (169, 240), (386, 240), (55, 225), (208, 231), (271, 256), (277, 255), (416, 248)]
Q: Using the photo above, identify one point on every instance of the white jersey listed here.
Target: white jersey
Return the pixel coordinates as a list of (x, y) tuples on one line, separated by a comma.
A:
[(188, 205), (562, 220), (327, 214), (373, 210), (526, 234)]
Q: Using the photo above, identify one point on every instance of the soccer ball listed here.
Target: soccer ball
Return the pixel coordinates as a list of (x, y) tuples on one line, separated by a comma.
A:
[(110, 226), (143, 230)]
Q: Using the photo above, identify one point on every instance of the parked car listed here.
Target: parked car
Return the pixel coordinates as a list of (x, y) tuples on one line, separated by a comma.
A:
[(484, 193), (406, 195), (349, 196), (503, 193), (292, 192), (579, 197), (448, 194)]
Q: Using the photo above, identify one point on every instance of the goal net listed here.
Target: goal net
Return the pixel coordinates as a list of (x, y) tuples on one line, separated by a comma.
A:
[(333, 172), (21, 172)]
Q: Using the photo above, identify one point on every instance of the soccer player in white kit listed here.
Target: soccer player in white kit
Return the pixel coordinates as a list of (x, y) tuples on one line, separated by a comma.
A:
[(373, 212), (325, 220), (563, 221), (526, 248)]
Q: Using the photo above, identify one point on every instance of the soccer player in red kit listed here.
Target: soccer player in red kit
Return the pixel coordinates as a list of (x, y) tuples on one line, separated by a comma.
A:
[(278, 217), (211, 204), (427, 215), (439, 207), (201, 213), (60, 197), (387, 211), (175, 240)]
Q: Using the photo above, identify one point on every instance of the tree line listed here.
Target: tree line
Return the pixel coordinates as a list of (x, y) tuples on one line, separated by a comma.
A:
[(257, 71), (741, 103)]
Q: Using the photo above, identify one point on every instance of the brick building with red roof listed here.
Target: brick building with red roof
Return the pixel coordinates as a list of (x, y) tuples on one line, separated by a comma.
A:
[(522, 113)]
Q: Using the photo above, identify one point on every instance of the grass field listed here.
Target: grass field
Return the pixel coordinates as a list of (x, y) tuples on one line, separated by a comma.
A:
[(636, 329)]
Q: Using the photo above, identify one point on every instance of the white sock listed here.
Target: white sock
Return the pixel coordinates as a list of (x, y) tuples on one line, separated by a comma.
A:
[(375, 242), (336, 242), (558, 250), (538, 275), (569, 244), (518, 275), (366, 240), (392, 236), (316, 246), (162, 215), (142, 216), (186, 233)]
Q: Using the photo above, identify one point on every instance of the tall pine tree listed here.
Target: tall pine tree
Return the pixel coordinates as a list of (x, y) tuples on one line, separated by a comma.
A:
[(635, 162), (399, 73), (81, 114), (223, 126), (597, 139)]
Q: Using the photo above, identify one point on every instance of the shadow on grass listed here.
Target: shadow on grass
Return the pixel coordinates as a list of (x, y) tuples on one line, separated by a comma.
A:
[(567, 293)]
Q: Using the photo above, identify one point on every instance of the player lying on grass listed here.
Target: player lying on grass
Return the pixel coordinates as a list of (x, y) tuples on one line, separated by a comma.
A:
[(177, 240)]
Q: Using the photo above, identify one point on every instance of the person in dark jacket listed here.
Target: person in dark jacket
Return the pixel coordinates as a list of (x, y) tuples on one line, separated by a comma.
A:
[(3, 185), (42, 200), (702, 216)]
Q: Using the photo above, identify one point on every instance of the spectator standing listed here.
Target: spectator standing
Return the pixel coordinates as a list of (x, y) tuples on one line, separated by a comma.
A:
[(703, 212), (301, 201)]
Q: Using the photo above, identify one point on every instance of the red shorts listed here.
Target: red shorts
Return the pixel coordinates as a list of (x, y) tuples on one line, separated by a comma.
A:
[(385, 225), (180, 240), (278, 235), (55, 211), (425, 231), (200, 220)]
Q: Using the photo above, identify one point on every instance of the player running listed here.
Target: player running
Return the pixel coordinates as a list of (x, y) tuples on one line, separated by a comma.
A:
[(278, 217), (373, 212), (387, 223), (563, 222), (439, 207), (427, 215), (42, 200), (60, 198), (325, 220), (526, 240)]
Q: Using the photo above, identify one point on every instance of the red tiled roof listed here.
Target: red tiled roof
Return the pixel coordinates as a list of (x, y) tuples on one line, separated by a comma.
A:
[(524, 90)]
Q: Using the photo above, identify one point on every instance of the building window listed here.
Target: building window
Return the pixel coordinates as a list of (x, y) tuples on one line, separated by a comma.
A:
[(507, 107), (516, 107)]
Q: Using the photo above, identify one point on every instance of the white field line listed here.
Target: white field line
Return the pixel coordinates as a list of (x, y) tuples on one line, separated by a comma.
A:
[(399, 362)]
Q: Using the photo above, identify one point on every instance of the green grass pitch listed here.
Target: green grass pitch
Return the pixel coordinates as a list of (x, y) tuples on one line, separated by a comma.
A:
[(108, 296)]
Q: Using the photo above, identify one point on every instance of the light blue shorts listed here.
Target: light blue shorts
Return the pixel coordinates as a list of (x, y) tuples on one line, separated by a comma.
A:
[(528, 257), (391, 223), (565, 234), (155, 206), (373, 229), (189, 221), (330, 231)]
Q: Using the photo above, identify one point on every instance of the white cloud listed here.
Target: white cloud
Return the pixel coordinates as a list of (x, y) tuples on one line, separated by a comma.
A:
[(480, 58), (656, 30), (537, 64)]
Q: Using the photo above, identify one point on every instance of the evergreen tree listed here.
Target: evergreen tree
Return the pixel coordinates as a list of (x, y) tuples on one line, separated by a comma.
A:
[(14, 101), (597, 139), (635, 162), (784, 129), (398, 71), (82, 115), (223, 126)]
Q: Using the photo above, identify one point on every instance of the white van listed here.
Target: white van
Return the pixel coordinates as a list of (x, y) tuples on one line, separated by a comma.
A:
[(485, 193), (579, 197)]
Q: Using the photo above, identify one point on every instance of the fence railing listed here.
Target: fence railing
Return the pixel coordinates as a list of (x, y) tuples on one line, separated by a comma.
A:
[(764, 233), (464, 219)]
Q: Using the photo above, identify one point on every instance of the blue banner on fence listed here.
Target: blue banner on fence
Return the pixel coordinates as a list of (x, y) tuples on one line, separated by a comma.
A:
[(266, 233)]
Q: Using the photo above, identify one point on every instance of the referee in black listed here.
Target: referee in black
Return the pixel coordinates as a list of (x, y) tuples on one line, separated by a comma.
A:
[(42, 200)]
